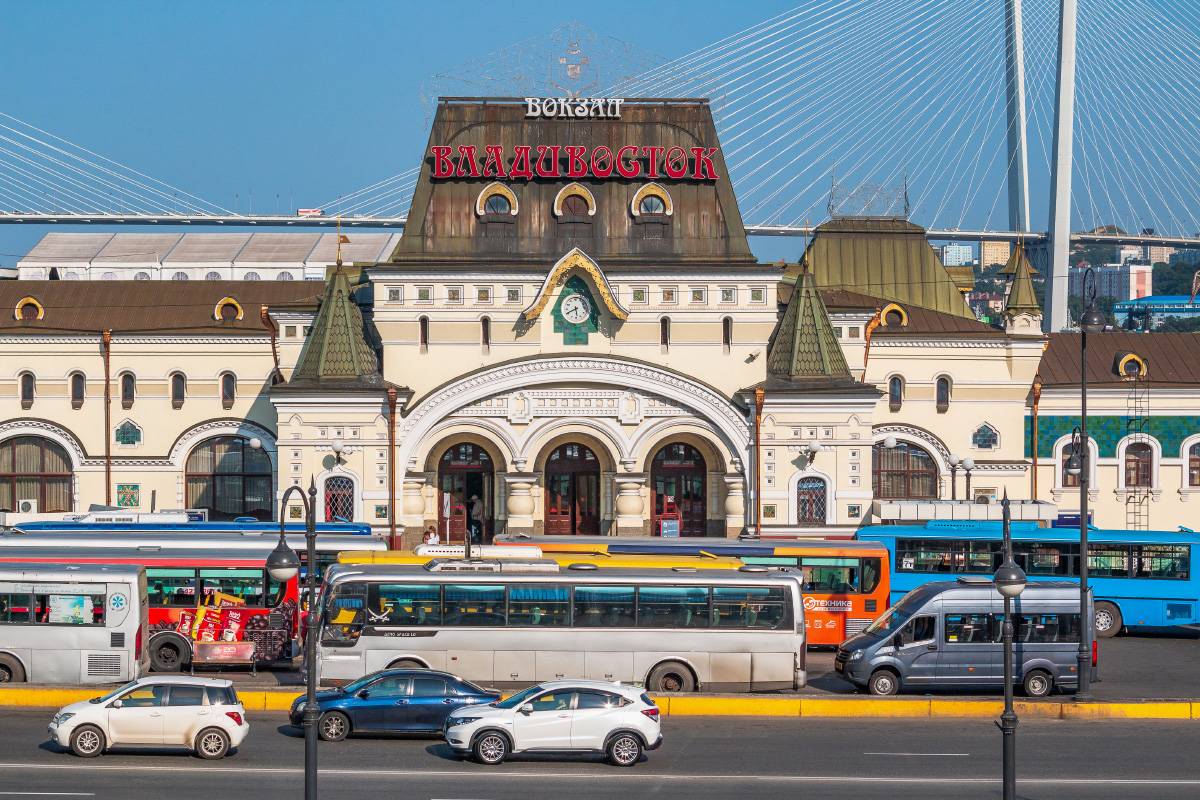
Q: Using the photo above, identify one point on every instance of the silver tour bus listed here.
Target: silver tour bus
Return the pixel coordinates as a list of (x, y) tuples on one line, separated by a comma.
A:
[(508, 624), (70, 624)]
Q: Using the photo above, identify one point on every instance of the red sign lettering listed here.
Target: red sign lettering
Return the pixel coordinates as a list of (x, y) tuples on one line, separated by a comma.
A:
[(574, 161)]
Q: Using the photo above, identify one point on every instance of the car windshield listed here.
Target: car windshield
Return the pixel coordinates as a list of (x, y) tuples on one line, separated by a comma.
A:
[(518, 699), (891, 620), (354, 686), (114, 692), (466, 687)]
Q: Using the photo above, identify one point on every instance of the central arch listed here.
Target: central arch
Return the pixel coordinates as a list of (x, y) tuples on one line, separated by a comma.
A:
[(572, 491)]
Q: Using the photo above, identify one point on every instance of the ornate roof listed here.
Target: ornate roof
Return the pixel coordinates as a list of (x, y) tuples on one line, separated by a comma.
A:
[(1021, 296), (805, 347), (336, 353)]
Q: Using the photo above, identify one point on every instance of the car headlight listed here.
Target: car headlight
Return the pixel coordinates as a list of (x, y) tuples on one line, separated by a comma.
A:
[(300, 704), (62, 717), (463, 720), (856, 655)]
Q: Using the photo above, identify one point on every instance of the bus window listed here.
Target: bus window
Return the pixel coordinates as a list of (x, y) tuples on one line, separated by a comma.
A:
[(70, 609), (672, 607), (1108, 560), (1170, 561), (15, 609), (344, 614), (603, 606), (830, 575), (473, 605), (872, 571), (171, 588), (540, 605), (244, 584), (1046, 558), (403, 604), (763, 607)]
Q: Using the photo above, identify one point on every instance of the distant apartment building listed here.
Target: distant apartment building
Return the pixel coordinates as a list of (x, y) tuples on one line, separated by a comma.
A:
[(1118, 281), (986, 305), (1129, 252), (957, 255), (1153, 254), (994, 253)]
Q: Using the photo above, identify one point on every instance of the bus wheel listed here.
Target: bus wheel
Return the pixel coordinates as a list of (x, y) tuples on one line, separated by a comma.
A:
[(406, 663), (883, 682), (11, 670), (1108, 620), (671, 677), (165, 656)]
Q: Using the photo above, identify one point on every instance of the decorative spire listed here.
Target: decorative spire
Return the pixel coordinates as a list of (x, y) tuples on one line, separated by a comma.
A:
[(337, 348), (1021, 296), (805, 347)]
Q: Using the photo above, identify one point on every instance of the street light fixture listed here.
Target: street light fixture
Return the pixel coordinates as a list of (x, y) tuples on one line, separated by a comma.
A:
[(1090, 321), (968, 464), (954, 462), (1010, 582), (283, 564), (338, 448)]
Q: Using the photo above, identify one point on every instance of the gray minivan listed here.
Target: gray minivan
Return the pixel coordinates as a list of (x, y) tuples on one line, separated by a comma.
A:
[(948, 634)]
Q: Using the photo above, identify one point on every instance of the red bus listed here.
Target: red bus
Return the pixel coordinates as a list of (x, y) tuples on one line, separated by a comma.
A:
[(198, 595)]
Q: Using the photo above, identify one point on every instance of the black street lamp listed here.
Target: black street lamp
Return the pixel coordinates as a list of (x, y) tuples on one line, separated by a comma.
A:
[(283, 564), (1010, 582)]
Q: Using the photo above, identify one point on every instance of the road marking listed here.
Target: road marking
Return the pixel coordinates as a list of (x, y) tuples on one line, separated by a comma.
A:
[(591, 776), (931, 755), (47, 794)]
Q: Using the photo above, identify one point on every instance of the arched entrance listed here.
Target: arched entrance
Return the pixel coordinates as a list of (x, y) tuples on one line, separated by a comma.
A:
[(572, 491), (811, 500), (466, 471), (34, 468), (339, 499), (230, 478), (679, 475)]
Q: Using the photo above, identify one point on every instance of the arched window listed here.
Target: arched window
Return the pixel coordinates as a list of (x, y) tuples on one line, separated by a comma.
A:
[(1066, 478), (1193, 465), (652, 204), (664, 333), (423, 333), (228, 389), (229, 478), (726, 332), (212, 276), (141, 276), (985, 438), (29, 312), (903, 472), (339, 499), (895, 393), (34, 468), (78, 389), (179, 276), (71, 275), (1139, 465), (497, 204), (485, 334), (574, 206), (109, 276), (178, 389), (286, 276), (128, 389), (252, 276), (893, 317), (810, 502), (228, 312), (28, 387), (943, 394)]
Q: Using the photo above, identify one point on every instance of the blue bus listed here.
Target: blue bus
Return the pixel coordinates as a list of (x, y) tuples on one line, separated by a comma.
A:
[(1138, 578)]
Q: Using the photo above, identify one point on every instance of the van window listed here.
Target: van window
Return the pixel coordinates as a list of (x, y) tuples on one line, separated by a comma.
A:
[(918, 629), (1041, 628), (967, 628)]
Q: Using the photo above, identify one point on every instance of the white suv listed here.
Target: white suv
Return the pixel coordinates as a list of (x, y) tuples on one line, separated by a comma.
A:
[(201, 714), (559, 717)]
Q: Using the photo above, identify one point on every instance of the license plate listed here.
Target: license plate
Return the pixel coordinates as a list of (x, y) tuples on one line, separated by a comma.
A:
[(837, 666)]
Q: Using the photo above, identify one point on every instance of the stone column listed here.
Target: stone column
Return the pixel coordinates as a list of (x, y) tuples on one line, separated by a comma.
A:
[(735, 504), (631, 510), (518, 488), (412, 504)]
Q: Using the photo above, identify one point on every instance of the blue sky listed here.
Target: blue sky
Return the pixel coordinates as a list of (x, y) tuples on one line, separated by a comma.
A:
[(307, 100)]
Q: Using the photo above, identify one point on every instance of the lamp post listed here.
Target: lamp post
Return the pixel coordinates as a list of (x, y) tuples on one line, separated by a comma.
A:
[(283, 564), (968, 464), (1010, 582), (954, 462), (1090, 321)]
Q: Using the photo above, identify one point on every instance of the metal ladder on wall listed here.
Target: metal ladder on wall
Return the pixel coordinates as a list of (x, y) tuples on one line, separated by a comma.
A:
[(1137, 427)]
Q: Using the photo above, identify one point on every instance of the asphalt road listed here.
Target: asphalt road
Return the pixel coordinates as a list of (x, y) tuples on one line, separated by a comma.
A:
[(701, 758)]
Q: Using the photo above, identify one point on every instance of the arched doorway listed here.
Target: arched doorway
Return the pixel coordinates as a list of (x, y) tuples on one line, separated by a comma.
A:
[(466, 471), (37, 469), (680, 475), (903, 472), (572, 491), (339, 499), (811, 501), (229, 478)]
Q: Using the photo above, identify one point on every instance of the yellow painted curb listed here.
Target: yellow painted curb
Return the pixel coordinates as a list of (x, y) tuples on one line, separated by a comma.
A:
[(1148, 710), (863, 707), (965, 708)]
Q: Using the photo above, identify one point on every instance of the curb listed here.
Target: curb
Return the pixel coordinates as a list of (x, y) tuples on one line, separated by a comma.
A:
[(749, 706)]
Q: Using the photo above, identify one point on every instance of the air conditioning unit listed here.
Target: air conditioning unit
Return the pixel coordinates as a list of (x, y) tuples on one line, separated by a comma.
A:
[(27, 506)]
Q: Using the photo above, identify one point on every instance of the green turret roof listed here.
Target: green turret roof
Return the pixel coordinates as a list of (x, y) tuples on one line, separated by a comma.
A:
[(1021, 295), (336, 352), (805, 347)]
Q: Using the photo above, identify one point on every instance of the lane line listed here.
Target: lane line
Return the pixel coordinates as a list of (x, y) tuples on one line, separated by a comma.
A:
[(47, 794), (939, 755), (591, 776)]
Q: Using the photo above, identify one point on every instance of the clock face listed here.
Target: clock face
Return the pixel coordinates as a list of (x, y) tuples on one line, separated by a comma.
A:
[(576, 309)]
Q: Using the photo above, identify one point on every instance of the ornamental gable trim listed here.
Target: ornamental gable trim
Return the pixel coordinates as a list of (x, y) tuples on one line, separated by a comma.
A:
[(575, 260)]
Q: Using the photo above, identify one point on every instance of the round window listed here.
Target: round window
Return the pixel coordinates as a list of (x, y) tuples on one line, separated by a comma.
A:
[(497, 204), (652, 204)]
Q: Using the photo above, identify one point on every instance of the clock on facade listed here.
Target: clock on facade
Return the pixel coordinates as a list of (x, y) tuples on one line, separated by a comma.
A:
[(576, 309)]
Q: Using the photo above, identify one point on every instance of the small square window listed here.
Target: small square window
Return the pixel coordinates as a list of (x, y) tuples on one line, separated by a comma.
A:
[(512, 294), (852, 333), (395, 295), (295, 454), (424, 294), (322, 432), (699, 295), (853, 511), (638, 294), (454, 294), (483, 294), (758, 294), (728, 294), (296, 467), (289, 331), (837, 331), (669, 296), (768, 511)]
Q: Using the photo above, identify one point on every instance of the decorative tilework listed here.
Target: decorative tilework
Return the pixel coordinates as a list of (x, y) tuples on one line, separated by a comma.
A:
[(1108, 430), (575, 334)]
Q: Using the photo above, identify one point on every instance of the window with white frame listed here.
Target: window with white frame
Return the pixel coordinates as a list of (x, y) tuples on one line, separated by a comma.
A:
[(728, 294)]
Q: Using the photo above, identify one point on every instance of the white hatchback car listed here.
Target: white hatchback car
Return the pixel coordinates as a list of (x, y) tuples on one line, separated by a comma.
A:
[(201, 714), (559, 717)]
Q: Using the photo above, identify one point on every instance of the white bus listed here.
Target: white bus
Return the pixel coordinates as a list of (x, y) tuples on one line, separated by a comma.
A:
[(670, 630), (72, 624)]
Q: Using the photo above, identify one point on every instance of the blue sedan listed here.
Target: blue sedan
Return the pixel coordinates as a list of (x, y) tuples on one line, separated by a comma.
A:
[(392, 701)]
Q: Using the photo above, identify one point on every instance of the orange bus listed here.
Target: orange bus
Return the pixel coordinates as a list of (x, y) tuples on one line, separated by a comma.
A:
[(845, 581)]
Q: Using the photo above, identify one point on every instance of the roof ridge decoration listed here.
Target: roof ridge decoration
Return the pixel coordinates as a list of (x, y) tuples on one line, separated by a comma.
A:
[(805, 346), (337, 348), (1021, 294), (575, 259)]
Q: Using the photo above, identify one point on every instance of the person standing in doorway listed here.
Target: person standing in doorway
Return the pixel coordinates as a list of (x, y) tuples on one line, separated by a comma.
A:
[(476, 519)]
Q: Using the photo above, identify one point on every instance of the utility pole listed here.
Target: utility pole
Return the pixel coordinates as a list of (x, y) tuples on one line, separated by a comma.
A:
[(1060, 178)]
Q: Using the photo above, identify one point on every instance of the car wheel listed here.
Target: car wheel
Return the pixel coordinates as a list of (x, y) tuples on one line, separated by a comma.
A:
[(11, 670), (87, 741), (212, 743), (624, 750), (490, 748), (883, 682), (671, 677), (1108, 620), (166, 657), (1037, 683), (333, 726)]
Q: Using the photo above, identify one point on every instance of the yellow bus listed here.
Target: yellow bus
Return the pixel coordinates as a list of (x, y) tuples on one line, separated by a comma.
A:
[(564, 560)]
